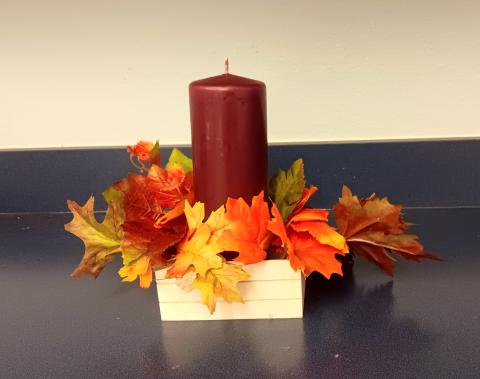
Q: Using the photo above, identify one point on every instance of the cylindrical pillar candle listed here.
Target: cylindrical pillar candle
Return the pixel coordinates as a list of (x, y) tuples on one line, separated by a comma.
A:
[(229, 138)]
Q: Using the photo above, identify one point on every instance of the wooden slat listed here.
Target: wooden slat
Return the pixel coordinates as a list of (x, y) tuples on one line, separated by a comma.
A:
[(258, 309), (257, 290)]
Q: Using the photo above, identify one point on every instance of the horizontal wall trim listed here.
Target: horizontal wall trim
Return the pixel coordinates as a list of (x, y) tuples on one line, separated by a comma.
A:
[(427, 173), (274, 143)]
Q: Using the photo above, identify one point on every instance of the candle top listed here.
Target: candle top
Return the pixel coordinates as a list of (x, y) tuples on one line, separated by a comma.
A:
[(227, 80)]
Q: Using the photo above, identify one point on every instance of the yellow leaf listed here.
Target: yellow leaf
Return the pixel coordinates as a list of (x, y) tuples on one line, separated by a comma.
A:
[(194, 215), (141, 268), (221, 283), (198, 249)]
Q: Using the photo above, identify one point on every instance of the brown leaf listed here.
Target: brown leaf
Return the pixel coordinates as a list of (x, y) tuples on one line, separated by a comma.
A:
[(374, 227)]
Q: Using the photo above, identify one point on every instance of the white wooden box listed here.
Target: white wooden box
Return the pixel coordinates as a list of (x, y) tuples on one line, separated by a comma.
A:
[(274, 290)]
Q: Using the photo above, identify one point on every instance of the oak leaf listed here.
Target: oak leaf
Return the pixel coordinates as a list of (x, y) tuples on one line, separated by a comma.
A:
[(101, 240), (374, 228), (221, 283)]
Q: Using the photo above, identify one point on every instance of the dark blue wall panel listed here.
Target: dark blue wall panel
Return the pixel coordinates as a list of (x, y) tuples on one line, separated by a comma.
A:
[(417, 174)]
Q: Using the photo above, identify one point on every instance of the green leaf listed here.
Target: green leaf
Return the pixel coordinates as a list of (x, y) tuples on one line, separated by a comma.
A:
[(112, 195), (115, 211), (286, 187), (178, 158), (155, 154)]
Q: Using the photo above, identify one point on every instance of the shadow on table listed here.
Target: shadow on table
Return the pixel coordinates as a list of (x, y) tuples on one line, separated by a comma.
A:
[(345, 326)]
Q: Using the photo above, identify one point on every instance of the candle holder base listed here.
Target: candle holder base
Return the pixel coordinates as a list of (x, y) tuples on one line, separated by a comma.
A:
[(274, 290)]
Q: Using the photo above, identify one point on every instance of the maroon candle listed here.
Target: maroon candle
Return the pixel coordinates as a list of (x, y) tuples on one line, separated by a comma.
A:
[(229, 138)]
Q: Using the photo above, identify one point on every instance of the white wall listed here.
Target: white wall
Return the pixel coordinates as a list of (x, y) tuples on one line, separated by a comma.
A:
[(100, 73)]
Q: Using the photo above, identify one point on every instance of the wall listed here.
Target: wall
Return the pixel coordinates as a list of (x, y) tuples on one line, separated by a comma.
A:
[(101, 73)]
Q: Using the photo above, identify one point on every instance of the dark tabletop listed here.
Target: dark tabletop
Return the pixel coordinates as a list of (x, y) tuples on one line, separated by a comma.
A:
[(424, 323)]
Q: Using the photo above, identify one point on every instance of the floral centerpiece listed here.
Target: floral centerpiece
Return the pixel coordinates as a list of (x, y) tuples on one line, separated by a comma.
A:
[(153, 222)]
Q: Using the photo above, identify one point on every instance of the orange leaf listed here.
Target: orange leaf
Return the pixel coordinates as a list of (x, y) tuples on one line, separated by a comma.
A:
[(322, 232), (310, 245), (277, 227), (306, 195), (374, 227), (146, 151), (247, 231), (309, 214), (310, 255)]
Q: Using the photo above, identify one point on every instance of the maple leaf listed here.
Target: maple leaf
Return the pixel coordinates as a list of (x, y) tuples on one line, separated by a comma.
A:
[(145, 151), (310, 243), (307, 193), (374, 228), (145, 238), (154, 216), (168, 186), (152, 196), (101, 240), (145, 246), (311, 255), (286, 188), (140, 268), (245, 230), (221, 283), (197, 249), (178, 159)]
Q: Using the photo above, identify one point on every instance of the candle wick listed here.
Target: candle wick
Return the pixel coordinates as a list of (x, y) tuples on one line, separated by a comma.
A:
[(226, 65)]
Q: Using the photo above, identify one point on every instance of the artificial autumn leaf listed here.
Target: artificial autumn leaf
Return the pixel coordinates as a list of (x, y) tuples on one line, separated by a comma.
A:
[(145, 246), (154, 218), (221, 283), (322, 232), (374, 227), (177, 158), (169, 186), (143, 238), (101, 240), (140, 268), (150, 197), (145, 151), (310, 243), (286, 188), (246, 229), (310, 255), (198, 249), (176, 211), (307, 193)]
